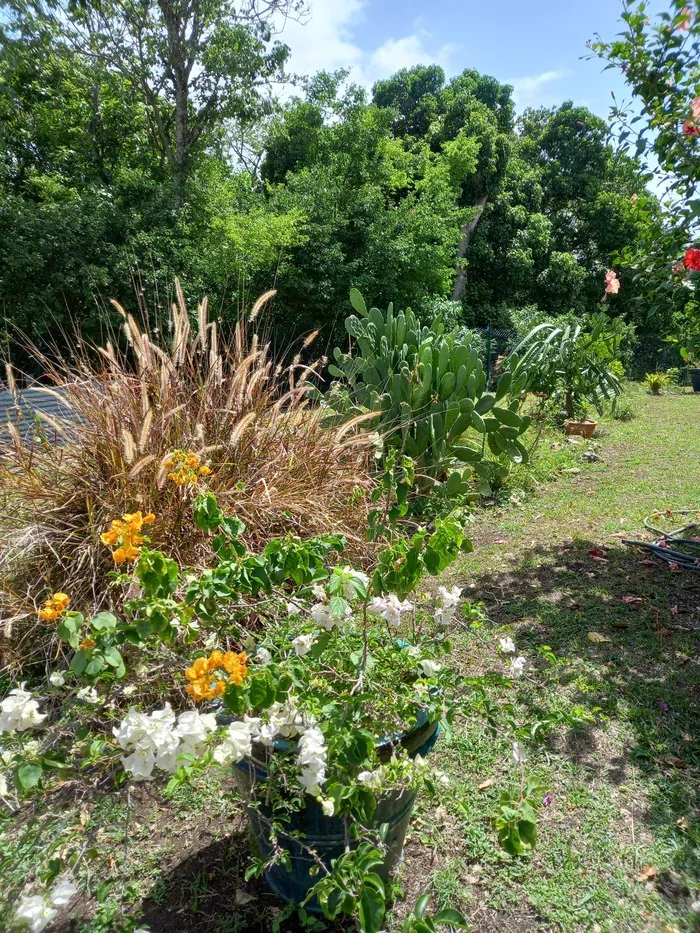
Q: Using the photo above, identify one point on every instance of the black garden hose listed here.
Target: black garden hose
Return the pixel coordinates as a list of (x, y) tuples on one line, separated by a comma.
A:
[(671, 546)]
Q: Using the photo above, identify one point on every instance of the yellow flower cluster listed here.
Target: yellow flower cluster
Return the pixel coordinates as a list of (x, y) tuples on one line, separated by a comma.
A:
[(125, 536), (185, 467), (205, 681), (54, 607)]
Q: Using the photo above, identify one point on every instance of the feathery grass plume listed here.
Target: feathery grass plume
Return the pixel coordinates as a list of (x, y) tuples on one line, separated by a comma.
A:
[(274, 464)]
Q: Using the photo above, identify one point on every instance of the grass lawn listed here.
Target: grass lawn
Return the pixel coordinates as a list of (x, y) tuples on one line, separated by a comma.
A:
[(619, 846), (617, 741)]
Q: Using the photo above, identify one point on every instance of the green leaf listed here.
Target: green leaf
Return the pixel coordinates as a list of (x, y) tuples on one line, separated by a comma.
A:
[(262, 690), (338, 605), (104, 622), (95, 665), (29, 775), (78, 663), (371, 910), (450, 916), (206, 511), (528, 833), (113, 657), (320, 645), (421, 905)]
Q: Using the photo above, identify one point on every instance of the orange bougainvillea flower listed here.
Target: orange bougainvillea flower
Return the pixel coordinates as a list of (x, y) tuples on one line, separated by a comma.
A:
[(87, 643), (207, 676), (124, 535), (185, 467), (54, 607)]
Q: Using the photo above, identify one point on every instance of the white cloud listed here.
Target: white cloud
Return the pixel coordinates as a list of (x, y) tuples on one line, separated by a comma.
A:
[(326, 40), (323, 39), (536, 90), (403, 53)]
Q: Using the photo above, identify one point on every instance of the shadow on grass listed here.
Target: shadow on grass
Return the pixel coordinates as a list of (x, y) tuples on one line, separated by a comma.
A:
[(643, 681)]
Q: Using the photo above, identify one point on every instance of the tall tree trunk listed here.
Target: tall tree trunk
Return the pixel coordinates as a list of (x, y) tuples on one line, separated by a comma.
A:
[(466, 235)]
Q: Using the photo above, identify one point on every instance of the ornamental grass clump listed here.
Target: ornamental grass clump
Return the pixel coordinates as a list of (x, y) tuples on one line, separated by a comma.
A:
[(150, 426)]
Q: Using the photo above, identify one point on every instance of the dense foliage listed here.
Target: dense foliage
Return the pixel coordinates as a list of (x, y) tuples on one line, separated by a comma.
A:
[(659, 57), (179, 161)]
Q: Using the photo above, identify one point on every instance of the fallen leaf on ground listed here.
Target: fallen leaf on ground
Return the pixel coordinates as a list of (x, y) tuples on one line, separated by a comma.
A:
[(596, 552), (485, 784), (675, 762), (597, 638), (618, 534), (650, 563), (647, 873), (687, 737), (243, 898), (631, 599)]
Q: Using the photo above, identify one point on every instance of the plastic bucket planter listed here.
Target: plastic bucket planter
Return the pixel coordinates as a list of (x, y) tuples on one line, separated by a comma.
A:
[(326, 834), (695, 378)]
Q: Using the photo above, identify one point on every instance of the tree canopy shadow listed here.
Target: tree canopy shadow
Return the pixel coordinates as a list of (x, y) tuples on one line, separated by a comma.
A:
[(640, 678)]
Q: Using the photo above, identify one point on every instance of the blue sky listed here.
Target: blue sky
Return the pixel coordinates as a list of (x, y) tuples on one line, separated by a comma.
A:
[(536, 45)]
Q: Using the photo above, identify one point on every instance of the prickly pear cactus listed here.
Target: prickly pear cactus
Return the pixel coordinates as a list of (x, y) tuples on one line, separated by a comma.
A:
[(428, 390)]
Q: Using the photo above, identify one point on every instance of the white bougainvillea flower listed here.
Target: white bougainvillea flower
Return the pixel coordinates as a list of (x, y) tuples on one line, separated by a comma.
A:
[(263, 655), (448, 602), (312, 759), (3, 785), (507, 645), (57, 679), (517, 666), (293, 609), (236, 744), (62, 892), (303, 644), (373, 779), (322, 615), (429, 668), (519, 753), (328, 806), (150, 739), (319, 590), (19, 711), (449, 598), (158, 740), (351, 577), (89, 694), (391, 608), (35, 913)]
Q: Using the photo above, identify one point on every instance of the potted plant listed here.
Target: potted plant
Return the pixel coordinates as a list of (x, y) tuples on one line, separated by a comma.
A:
[(573, 363), (328, 711)]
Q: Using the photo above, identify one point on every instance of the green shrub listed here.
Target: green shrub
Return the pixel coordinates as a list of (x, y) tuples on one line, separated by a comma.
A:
[(656, 382)]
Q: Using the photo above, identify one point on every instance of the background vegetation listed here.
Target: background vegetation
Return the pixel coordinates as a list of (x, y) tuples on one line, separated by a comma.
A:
[(126, 158)]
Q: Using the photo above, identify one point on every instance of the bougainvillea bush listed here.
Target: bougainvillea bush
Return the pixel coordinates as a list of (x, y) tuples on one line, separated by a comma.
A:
[(287, 658)]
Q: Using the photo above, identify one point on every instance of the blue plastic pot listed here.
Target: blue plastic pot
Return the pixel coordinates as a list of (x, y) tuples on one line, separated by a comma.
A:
[(326, 834)]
